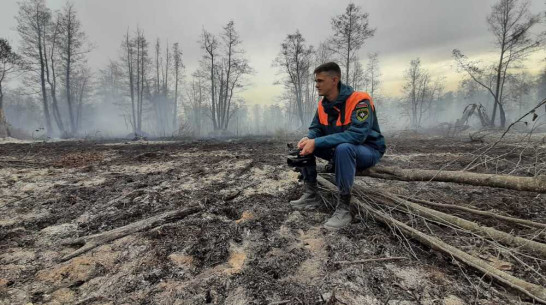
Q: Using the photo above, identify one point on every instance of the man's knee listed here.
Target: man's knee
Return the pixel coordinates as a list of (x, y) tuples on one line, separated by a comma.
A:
[(345, 149)]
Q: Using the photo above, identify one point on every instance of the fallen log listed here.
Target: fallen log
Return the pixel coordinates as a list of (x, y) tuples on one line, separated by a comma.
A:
[(92, 241), (486, 232), (523, 222), (530, 184), (534, 291)]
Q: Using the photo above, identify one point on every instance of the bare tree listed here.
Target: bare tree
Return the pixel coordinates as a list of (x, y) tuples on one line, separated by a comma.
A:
[(142, 63), (420, 92), (73, 48), (49, 45), (161, 98), (196, 95), (51, 55), (235, 67), (8, 62), (323, 54), (415, 77), (294, 60), (157, 66), (357, 74), (351, 30), (128, 58), (209, 43), (178, 66), (110, 84), (33, 20), (81, 83), (510, 22), (520, 86), (136, 61), (226, 74), (372, 74)]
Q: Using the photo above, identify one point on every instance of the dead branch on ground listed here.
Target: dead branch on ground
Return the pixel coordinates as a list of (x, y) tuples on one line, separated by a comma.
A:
[(536, 292), (523, 222), (369, 260), (486, 232), (93, 241), (518, 183)]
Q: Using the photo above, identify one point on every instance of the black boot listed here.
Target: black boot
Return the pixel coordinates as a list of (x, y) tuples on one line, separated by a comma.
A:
[(342, 216), (310, 198)]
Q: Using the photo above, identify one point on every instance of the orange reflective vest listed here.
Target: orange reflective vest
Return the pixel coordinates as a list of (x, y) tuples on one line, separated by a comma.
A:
[(350, 105)]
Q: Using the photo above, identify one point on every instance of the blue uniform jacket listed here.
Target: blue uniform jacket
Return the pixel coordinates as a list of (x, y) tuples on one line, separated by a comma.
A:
[(357, 132)]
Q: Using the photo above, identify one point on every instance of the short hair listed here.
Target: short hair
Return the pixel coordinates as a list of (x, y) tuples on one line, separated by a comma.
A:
[(330, 67)]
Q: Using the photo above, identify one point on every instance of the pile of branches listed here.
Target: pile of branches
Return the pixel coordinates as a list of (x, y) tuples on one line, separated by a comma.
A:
[(383, 206)]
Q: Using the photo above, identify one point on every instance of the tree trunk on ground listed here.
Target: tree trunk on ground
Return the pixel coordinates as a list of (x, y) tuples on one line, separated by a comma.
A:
[(93, 241), (486, 232), (503, 181), (522, 222)]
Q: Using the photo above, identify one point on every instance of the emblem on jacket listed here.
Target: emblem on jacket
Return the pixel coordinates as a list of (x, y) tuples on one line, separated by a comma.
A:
[(362, 114)]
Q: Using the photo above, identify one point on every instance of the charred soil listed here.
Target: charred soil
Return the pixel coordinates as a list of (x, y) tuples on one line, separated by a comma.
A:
[(246, 245)]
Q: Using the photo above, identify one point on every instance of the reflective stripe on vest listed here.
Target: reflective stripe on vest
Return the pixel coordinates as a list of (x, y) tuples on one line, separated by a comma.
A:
[(350, 105)]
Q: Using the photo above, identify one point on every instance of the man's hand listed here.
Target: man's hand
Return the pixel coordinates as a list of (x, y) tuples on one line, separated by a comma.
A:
[(302, 142), (308, 147)]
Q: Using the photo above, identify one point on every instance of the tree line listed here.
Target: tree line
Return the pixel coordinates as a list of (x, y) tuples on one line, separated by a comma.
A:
[(145, 82), (149, 87)]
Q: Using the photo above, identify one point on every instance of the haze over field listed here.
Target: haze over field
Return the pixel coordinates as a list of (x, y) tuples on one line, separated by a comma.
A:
[(404, 31)]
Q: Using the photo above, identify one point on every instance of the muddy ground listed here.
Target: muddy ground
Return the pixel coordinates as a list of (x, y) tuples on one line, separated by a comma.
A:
[(246, 246)]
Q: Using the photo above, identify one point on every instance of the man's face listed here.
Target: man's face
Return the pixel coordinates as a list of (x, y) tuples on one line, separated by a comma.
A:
[(325, 83)]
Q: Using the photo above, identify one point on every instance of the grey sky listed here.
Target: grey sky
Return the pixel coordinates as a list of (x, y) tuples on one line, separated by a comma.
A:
[(406, 29)]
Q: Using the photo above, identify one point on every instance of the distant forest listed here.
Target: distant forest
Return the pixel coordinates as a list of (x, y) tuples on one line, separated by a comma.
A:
[(147, 91)]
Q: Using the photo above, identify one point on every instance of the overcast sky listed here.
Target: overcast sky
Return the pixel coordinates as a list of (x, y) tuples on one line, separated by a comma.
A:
[(429, 29)]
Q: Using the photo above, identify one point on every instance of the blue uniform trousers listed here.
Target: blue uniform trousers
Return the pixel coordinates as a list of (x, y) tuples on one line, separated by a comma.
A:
[(347, 159)]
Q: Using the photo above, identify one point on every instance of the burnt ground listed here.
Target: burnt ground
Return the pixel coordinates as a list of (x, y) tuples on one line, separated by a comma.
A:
[(247, 246)]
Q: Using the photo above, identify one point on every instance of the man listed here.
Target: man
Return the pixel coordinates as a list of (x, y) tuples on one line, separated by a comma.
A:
[(344, 131)]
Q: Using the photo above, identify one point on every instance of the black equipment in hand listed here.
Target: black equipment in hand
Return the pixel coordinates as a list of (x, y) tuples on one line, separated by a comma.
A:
[(294, 158)]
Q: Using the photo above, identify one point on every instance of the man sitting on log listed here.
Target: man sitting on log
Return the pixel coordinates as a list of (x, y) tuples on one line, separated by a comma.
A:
[(345, 132)]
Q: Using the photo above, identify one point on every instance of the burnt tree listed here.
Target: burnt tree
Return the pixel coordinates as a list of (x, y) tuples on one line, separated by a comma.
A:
[(294, 60), (351, 30), (33, 22), (226, 64), (8, 62), (510, 22)]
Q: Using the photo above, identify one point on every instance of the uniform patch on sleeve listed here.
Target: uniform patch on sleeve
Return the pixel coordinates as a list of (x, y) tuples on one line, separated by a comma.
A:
[(361, 105), (362, 114)]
